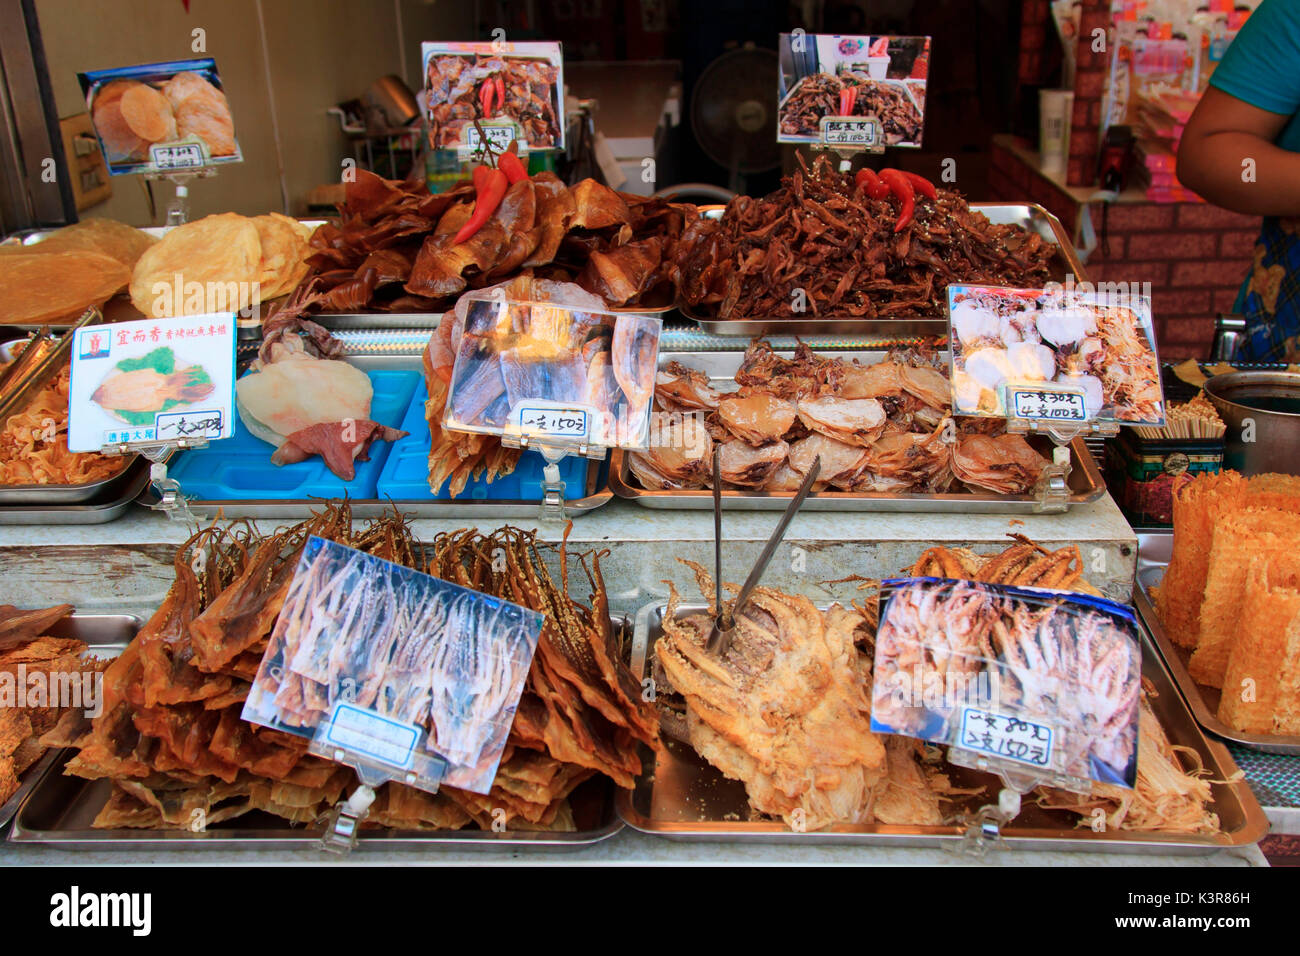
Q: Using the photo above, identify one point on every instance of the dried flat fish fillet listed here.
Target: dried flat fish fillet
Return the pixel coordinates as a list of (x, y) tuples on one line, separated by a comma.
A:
[(43, 287)]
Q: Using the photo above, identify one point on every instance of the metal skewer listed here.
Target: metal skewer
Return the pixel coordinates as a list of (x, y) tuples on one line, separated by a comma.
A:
[(719, 616), (719, 637)]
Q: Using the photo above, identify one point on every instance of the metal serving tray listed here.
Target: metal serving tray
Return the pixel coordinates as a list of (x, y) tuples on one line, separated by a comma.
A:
[(1085, 482), (681, 797), (1030, 216), (1154, 551), (60, 809), (102, 490), (106, 636), (123, 489)]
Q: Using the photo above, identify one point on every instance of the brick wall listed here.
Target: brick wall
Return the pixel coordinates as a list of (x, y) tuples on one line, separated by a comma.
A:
[(1089, 82), (1035, 29), (1194, 255)]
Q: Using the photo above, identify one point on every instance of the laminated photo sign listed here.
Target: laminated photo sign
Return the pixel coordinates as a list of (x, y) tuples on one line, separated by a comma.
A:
[(399, 674)]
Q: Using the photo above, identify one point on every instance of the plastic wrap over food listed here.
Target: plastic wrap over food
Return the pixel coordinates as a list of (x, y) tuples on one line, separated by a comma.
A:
[(1031, 682), (547, 363)]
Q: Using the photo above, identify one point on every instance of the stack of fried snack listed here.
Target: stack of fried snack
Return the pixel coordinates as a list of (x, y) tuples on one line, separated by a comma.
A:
[(34, 668), (1231, 595), (34, 443), (171, 736)]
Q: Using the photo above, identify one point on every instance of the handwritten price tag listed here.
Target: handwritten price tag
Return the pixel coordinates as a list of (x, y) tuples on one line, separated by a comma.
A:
[(550, 422), (1012, 738), (189, 425), (863, 132), (499, 136), (1048, 404), (372, 735), (177, 156)]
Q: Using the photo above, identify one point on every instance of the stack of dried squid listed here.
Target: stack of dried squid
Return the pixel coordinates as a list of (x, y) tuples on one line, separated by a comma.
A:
[(172, 740), (786, 710), (883, 428)]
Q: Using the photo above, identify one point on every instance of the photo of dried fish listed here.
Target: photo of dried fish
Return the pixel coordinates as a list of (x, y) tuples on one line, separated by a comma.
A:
[(1103, 349), (886, 427), (1072, 666), (137, 389), (719, 710), (516, 358), (422, 652), (172, 741), (821, 247), (463, 87)]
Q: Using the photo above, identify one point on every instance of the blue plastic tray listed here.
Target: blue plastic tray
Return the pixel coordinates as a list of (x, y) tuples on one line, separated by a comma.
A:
[(240, 469), (405, 475)]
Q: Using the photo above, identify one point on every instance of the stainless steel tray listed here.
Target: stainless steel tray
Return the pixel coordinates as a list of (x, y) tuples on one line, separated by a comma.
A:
[(107, 636), (67, 494), (1154, 551), (681, 797), (1086, 483), (1030, 216), (110, 506), (60, 811)]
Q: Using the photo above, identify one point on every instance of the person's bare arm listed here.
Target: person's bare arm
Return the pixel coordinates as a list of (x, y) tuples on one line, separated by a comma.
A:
[(1222, 134)]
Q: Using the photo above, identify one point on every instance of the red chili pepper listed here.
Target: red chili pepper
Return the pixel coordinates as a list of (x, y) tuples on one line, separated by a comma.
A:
[(501, 91), (901, 187), (510, 164), (848, 96), (922, 185), (487, 198), (870, 183), (485, 98)]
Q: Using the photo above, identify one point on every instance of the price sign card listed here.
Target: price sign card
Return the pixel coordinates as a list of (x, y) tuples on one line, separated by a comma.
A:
[(518, 88), (1065, 353), (852, 91), (393, 671), (152, 381), (161, 117), (1012, 678), (559, 375)]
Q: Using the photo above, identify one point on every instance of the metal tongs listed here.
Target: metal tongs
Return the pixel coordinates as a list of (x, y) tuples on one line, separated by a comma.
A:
[(724, 622)]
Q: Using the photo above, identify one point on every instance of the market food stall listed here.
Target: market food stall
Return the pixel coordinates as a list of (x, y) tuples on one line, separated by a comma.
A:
[(399, 551)]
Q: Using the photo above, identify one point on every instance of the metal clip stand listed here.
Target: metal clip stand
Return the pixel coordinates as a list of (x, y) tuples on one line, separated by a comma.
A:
[(344, 822), (178, 209), (1052, 490), (171, 501), (985, 830)]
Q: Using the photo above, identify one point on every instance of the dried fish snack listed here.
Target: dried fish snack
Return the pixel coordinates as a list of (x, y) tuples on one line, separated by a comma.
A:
[(818, 95), (884, 427), (820, 248), (171, 738)]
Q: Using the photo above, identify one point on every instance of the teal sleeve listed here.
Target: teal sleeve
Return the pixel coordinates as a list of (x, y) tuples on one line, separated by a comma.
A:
[(1262, 66)]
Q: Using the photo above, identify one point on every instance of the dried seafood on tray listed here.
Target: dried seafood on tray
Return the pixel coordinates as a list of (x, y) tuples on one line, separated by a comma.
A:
[(885, 427), (910, 783), (171, 739), (819, 247)]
